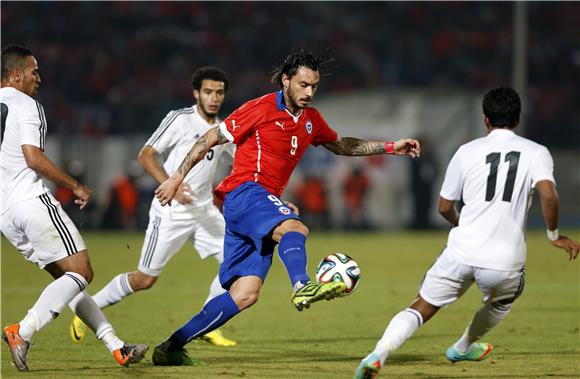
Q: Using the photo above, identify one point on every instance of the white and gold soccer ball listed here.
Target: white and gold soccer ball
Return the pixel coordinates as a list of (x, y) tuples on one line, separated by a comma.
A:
[(339, 267)]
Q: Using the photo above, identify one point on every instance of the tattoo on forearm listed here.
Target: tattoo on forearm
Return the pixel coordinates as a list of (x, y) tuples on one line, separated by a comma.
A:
[(194, 155), (221, 139), (356, 147)]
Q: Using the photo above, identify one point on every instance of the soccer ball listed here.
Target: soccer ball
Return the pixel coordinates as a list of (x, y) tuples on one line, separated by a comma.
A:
[(339, 267)]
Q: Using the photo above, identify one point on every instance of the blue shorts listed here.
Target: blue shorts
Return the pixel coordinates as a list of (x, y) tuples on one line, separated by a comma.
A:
[(251, 213)]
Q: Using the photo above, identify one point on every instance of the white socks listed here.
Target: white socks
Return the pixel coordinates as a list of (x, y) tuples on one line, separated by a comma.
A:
[(400, 329), (84, 306), (114, 291), (484, 320), (51, 303), (215, 289)]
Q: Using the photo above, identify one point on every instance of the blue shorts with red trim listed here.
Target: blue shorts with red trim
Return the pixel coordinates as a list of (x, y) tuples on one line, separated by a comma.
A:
[(251, 213)]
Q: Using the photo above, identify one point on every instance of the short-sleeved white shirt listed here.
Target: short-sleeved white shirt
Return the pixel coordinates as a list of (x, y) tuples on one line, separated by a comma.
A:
[(174, 138), (23, 123), (495, 177)]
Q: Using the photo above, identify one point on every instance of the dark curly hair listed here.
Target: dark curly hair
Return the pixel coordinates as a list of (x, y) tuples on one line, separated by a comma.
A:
[(502, 106), (297, 58), (211, 73)]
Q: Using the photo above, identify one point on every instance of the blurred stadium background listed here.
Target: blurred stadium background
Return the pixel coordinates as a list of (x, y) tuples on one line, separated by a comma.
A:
[(112, 70)]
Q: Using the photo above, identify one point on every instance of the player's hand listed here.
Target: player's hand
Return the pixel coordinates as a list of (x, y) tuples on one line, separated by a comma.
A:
[(572, 247), (183, 194), (293, 207), (407, 146), (167, 190), (83, 194)]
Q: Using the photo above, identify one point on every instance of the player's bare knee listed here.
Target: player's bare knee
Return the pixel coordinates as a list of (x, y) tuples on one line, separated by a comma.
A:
[(291, 225), (140, 281), (145, 283), (86, 272), (247, 299)]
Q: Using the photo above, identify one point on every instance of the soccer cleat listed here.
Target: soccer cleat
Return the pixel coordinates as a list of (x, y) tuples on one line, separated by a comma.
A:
[(478, 351), (174, 358), (77, 329), (312, 292), (130, 354), (368, 367), (215, 337), (18, 347)]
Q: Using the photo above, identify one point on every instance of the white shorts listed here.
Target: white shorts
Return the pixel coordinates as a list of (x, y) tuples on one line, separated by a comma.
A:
[(41, 230), (447, 280), (164, 237)]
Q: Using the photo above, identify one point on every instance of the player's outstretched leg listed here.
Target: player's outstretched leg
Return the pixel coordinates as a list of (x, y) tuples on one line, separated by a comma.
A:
[(117, 289), (369, 367), (18, 346), (399, 330), (213, 315), (216, 337), (90, 314), (312, 292), (48, 306), (467, 348)]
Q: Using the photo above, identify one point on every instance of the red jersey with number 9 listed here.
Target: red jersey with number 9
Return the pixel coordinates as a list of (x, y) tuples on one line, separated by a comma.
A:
[(270, 142)]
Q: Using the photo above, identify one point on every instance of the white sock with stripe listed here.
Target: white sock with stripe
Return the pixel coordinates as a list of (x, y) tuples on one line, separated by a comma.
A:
[(484, 320), (117, 289), (85, 307), (400, 329), (51, 303)]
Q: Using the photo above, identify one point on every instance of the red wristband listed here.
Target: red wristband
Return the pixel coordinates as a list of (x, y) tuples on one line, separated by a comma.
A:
[(389, 148)]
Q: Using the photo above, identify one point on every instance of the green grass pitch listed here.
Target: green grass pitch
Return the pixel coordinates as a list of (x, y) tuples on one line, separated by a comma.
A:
[(539, 339)]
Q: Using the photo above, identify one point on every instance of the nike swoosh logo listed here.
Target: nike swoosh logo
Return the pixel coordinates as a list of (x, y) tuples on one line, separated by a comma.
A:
[(75, 333)]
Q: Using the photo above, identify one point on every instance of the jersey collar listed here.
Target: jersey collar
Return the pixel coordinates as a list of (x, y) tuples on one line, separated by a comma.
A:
[(282, 106), (280, 100), (501, 131)]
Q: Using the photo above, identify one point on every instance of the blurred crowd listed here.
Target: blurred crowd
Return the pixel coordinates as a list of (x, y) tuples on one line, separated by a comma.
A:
[(118, 67)]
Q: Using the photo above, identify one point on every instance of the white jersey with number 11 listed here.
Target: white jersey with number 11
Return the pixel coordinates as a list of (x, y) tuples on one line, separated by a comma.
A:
[(494, 176)]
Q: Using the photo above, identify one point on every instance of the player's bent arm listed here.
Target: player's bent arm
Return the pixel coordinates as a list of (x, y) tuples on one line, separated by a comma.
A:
[(167, 190), (551, 209), (147, 158), (358, 147), (448, 211), (37, 161)]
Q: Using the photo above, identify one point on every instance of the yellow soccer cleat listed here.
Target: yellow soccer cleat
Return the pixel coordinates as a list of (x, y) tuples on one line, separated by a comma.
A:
[(215, 337), (78, 329), (316, 291)]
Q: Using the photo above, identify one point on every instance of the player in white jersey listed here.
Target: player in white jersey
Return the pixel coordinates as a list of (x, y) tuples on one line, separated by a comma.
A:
[(35, 223), (495, 177), (193, 216)]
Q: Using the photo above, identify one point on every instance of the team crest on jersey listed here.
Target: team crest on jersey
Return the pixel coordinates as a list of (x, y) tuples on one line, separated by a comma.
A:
[(284, 210), (309, 127)]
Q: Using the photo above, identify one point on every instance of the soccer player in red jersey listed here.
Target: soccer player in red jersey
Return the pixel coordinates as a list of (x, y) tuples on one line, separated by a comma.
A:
[(271, 134)]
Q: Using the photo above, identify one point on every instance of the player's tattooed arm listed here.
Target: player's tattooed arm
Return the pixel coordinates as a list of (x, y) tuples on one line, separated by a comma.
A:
[(355, 147), (167, 190), (213, 137)]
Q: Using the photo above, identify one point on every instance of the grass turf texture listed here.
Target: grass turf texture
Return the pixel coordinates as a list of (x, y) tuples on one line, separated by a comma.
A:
[(540, 338)]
